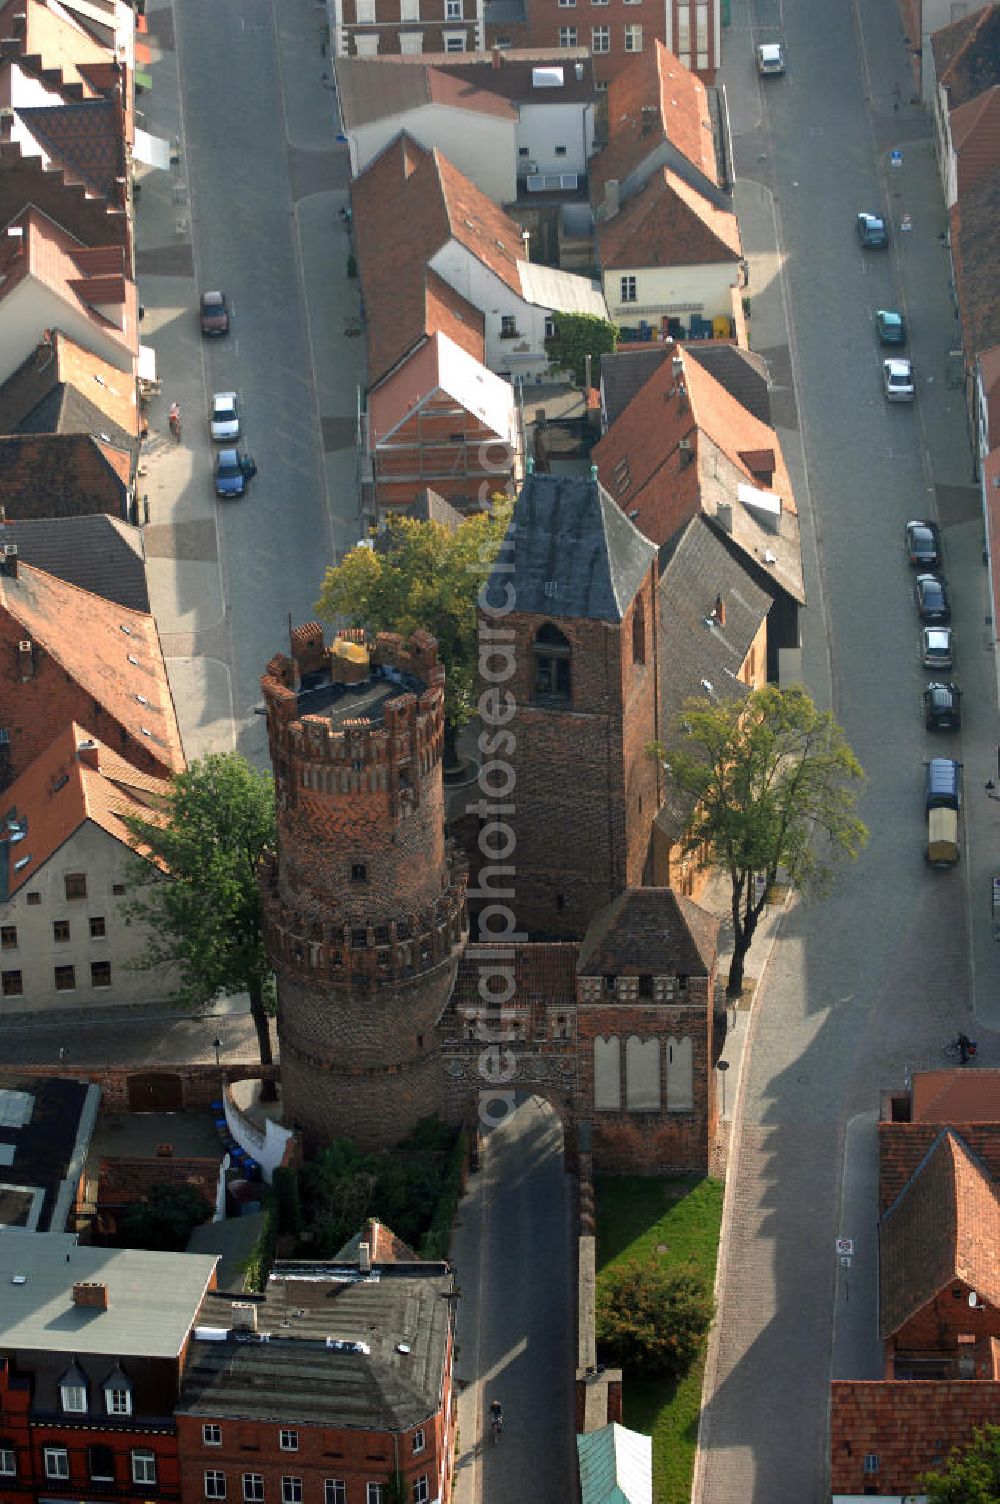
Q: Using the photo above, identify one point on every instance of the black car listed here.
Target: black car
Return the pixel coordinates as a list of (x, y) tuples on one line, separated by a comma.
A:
[(933, 604), (873, 232), (942, 707), (923, 544)]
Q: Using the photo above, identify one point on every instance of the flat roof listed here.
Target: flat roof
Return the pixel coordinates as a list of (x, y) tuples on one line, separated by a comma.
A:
[(321, 693), (152, 1297)]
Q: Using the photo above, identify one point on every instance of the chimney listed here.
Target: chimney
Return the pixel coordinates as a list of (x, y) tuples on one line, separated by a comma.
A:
[(244, 1316), (9, 565), (588, 370), (719, 611), (92, 1294), (496, 59), (26, 659), (684, 448), (88, 755), (724, 516), (365, 1257)]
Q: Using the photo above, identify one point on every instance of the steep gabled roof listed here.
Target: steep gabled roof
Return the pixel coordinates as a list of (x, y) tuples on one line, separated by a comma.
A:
[(58, 793), (383, 1246), (97, 553), (86, 140), (574, 552), (967, 55), (94, 642), (974, 221), (48, 32), (63, 475), (944, 1226), (649, 931), (668, 223), (64, 388), (440, 366), (975, 135), (654, 99)]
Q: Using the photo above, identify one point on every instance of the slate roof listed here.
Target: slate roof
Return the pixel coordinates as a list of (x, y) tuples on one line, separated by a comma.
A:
[(967, 55), (944, 1226), (649, 931), (64, 475), (87, 638), (654, 99), (96, 553), (63, 388), (668, 223), (974, 221), (297, 1374), (575, 554), (57, 794), (86, 139), (50, 1146)]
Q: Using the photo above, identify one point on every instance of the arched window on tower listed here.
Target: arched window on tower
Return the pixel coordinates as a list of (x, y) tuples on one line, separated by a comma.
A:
[(639, 632), (552, 654)]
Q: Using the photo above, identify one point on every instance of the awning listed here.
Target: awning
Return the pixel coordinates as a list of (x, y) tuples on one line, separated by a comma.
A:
[(153, 150), (143, 53), (142, 80), (147, 363)]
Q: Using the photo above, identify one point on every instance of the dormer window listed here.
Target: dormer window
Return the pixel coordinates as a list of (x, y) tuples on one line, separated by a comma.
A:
[(552, 655), (117, 1394), (73, 1391)]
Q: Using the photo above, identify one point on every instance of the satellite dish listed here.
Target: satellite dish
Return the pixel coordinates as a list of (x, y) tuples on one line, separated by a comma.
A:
[(973, 1299)]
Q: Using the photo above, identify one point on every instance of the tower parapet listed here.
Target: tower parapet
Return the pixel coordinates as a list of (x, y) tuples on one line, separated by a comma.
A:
[(364, 902)]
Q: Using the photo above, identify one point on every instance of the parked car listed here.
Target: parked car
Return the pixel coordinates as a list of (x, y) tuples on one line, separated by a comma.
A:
[(770, 58), (942, 707), (943, 846), (897, 377), (890, 327), (933, 604), (937, 648), (873, 232), (214, 313), (225, 416), (923, 544), (944, 784), (230, 473)]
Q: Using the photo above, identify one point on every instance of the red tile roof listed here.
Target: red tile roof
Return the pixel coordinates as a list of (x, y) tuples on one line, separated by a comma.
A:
[(908, 1425), (955, 1096), (383, 1246), (544, 976), (59, 792), (652, 100), (967, 55), (668, 223), (989, 371), (945, 1225), (59, 365), (85, 139), (63, 475), (83, 641), (975, 135), (53, 35)]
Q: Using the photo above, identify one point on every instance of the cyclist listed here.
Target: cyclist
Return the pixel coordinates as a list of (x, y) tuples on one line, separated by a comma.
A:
[(964, 1047), (496, 1418)]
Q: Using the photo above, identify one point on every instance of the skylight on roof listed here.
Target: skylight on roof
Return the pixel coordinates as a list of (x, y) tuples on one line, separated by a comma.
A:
[(547, 78)]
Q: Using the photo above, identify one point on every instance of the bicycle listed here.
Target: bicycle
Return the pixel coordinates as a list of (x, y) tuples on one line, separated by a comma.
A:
[(497, 1425), (953, 1049)]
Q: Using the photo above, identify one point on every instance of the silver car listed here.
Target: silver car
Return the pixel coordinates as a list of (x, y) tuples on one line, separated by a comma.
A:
[(770, 58), (897, 377), (937, 649), (225, 418)]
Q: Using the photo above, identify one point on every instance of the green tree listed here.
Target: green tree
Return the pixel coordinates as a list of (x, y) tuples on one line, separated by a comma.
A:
[(429, 577), (165, 1219), (577, 336), (971, 1475), (774, 785), (196, 888), (652, 1319)]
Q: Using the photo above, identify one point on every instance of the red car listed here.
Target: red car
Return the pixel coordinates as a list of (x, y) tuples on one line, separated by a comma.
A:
[(214, 313)]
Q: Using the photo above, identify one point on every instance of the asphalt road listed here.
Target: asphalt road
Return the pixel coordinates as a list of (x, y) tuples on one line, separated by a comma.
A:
[(276, 545), (870, 982)]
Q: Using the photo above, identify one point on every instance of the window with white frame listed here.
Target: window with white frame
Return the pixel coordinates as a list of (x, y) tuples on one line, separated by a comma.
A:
[(683, 30), (409, 10), (566, 4), (288, 1440), (374, 1493), (364, 12), (56, 1462), (211, 1436), (253, 1488), (419, 1441), (600, 39), (334, 1491), (453, 10), (8, 1461), (567, 36), (73, 1398), (291, 1491), (143, 1467), (629, 290), (421, 1493), (118, 1399), (599, 2), (633, 39), (454, 41), (366, 45), (701, 32), (215, 1484), (411, 43)]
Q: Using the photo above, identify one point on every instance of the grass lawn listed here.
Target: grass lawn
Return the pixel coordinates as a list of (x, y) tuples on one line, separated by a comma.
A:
[(676, 1219)]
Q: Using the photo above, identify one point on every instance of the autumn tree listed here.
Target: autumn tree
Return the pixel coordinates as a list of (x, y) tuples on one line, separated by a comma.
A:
[(195, 885), (773, 784), (652, 1319), (971, 1475), (426, 576)]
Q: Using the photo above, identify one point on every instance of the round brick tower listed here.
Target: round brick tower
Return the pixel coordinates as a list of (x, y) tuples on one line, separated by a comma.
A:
[(364, 905)]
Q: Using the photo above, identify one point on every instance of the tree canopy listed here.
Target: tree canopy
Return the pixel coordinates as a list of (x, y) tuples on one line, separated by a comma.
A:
[(165, 1220), (428, 577), (971, 1475), (652, 1319), (577, 336), (774, 786), (205, 916)]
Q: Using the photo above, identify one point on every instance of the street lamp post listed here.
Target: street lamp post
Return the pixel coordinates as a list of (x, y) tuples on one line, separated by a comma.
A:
[(217, 1046)]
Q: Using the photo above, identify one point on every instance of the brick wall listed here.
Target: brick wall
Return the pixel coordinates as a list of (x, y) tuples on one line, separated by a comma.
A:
[(906, 1427), (198, 1084), (937, 1326)]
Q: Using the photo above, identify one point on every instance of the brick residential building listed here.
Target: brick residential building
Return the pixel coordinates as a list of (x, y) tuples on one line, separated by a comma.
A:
[(618, 31), (323, 1389), (372, 28), (45, 1129)]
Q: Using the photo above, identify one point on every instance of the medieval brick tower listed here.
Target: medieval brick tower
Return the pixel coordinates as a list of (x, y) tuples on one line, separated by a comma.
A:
[(364, 906)]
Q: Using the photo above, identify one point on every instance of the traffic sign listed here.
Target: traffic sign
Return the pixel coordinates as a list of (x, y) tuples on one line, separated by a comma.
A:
[(895, 159), (845, 1246)]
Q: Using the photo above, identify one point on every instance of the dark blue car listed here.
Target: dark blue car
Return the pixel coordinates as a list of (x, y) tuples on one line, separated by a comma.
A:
[(230, 473)]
